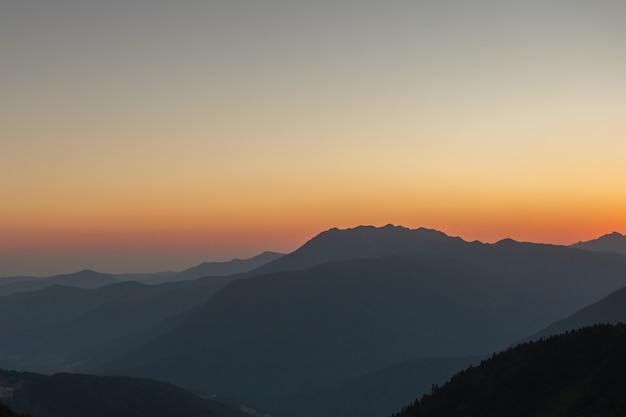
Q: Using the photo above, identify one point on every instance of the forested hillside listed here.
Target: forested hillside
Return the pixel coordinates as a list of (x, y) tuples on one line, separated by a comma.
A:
[(577, 374)]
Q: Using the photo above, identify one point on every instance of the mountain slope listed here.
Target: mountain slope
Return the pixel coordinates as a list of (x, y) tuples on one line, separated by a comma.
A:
[(236, 266), (64, 328), (582, 373), (611, 309), (76, 395), (378, 393), (84, 279), (612, 242), (91, 279), (291, 332)]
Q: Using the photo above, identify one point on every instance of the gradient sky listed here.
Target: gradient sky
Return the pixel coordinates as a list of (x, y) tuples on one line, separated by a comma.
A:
[(145, 135)]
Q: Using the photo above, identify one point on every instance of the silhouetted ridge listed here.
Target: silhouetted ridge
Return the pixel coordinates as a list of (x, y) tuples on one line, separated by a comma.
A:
[(235, 266), (578, 374), (362, 242), (611, 242), (507, 241)]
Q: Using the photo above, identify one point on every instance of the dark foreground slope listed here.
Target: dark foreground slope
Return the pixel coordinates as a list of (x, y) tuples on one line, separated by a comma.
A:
[(578, 374), (75, 395), (7, 412)]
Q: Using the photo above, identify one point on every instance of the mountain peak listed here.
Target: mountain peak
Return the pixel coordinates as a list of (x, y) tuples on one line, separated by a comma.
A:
[(506, 241), (610, 242), (365, 241)]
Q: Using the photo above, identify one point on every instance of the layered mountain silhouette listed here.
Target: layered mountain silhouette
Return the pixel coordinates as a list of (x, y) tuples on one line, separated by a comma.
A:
[(612, 242), (63, 328), (236, 266), (76, 395), (295, 332), (89, 279), (84, 279), (306, 332), (571, 375), (289, 332)]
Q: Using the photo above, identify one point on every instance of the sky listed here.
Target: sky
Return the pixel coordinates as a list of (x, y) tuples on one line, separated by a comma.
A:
[(148, 135)]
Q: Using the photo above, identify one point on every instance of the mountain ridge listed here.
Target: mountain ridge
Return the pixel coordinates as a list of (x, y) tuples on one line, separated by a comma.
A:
[(610, 242)]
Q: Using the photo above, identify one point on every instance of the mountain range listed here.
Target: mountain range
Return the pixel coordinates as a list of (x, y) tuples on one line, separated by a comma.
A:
[(316, 331), (89, 279), (300, 330), (612, 242)]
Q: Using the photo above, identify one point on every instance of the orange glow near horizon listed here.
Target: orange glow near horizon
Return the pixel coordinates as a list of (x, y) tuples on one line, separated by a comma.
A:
[(130, 145)]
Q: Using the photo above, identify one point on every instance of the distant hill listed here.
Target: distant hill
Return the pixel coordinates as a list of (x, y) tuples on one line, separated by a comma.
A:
[(63, 328), (579, 374), (236, 266), (76, 395), (612, 242), (83, 279), (611, 309), (91, 279)]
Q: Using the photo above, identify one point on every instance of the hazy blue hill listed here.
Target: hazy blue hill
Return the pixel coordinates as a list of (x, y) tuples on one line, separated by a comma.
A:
[(378, 393), (84, 279), (76, 395), (611, 309), (10, 280), (579, 374), (91, 279), (612, 242), (64, 328), (236, 266)]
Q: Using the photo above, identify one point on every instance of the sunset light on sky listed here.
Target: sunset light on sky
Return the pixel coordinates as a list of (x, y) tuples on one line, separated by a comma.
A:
[(150, 135)]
